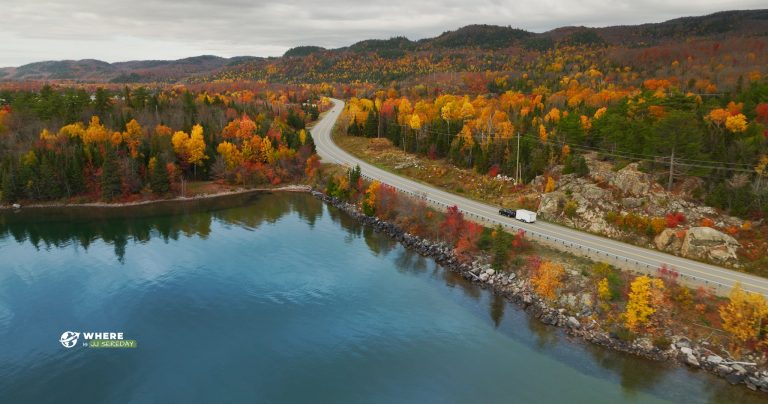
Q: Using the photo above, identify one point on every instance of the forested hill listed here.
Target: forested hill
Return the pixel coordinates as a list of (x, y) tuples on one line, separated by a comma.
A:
[(471, 48)]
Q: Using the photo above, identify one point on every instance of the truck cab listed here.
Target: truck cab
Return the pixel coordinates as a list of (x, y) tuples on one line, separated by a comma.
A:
[(507, 212)]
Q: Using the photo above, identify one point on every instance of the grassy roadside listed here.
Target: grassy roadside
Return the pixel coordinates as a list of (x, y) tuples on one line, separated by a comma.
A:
[(382, 154)]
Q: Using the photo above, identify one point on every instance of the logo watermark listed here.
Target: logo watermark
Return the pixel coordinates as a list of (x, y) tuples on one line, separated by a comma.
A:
[(97, 340), (69, 339)]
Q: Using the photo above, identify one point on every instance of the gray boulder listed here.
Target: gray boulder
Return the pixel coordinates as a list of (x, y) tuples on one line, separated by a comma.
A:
[(714, 359), (708, 243), (631, 181), (668, 241), (632, 203), (691, 361)]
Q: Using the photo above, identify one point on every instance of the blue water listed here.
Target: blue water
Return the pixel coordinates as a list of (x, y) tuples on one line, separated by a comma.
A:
[(279, 298)]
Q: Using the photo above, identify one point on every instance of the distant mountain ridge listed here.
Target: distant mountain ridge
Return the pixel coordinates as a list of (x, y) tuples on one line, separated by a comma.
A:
[(745, 23)]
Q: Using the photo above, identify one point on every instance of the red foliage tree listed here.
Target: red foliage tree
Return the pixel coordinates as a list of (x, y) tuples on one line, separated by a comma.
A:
[(467, 242), (452, 225), (761, 112)]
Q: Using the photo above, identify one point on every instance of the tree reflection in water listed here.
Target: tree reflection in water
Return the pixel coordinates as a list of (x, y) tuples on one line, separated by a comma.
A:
[(58, 227)]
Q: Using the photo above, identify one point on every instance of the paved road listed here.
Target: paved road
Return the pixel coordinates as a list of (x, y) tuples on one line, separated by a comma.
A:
[(604, 249)]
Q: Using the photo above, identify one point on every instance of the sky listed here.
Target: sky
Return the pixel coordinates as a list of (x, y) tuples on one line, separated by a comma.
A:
[(119, 30)]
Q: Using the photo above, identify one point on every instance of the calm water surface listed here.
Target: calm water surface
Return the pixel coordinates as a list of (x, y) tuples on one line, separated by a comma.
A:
[(279, 298)]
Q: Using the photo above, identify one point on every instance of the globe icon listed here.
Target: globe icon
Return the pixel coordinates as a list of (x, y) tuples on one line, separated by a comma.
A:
[(69, 339)]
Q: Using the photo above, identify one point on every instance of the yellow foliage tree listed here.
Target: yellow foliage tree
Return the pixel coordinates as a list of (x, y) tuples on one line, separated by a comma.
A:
[(414, 122), (644, 296), (179, 141), (553, 115), (603, 290), (132, 137), (543, 133), (658, 224), (548, 279), (73, 130), (744, 314), (600, 112), (550, 186), (467, 110), (303, 136), (196, 146), (267, 151), (190, 148), (230, 153), (369, 202), (736, 123), (96, 132)]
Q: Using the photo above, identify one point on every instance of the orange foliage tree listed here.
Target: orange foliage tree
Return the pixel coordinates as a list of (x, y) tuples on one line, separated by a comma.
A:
[(547, 279)]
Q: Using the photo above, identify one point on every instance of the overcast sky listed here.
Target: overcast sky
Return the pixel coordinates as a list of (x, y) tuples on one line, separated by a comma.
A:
[(119, 30)]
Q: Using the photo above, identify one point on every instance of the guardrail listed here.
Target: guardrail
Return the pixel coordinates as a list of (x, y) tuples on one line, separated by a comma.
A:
[(642, 266)]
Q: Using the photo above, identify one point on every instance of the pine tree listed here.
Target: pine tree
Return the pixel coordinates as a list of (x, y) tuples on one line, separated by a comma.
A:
[(159, 179), (371, 124), (110, 177), (11, 190)]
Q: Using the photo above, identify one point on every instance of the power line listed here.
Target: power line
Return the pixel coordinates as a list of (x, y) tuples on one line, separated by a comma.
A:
[(708, 164)]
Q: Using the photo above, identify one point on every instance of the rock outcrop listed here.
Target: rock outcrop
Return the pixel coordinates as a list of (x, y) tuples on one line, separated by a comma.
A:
[(631, 181), (708, 243), (630, 191), (668, 241)]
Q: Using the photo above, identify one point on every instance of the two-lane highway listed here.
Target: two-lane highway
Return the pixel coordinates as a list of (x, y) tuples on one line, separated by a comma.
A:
[(622, 254)]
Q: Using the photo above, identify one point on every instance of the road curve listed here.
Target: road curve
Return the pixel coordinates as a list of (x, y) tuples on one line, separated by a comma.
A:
[(604, 249)]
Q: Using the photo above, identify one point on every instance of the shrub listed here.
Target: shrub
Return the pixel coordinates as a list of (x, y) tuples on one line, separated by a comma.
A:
[(675, 219), (624, 334), (570, 208), (661, 342)]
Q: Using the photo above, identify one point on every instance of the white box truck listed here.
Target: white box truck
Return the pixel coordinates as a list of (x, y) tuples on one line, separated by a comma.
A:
[(525, 216)]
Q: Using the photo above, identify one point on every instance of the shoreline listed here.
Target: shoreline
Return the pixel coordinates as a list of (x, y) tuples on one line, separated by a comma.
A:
[(199, 197), (682, 351)]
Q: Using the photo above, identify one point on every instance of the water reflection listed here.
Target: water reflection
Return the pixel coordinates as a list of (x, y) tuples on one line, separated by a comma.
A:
[(60, 227), (51, 228)]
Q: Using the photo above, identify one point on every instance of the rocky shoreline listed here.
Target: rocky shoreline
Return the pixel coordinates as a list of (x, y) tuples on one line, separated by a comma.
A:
[(519, 291)]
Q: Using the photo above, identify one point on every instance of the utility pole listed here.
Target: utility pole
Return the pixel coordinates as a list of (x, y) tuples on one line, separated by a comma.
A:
[(517, 160), (671, 169)]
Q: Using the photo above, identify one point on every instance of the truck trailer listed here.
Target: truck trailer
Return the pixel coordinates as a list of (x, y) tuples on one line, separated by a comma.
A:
[(525, 216)]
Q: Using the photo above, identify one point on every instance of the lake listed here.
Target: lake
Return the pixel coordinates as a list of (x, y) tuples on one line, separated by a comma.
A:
[(280, 298)]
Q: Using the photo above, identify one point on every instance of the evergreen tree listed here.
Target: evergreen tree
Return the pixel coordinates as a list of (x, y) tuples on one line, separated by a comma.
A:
[(354, 175), (576, 164), (295, 120), (371, 124), (159, 179), (110, 177), (500, 248), (102, 104), (12, 190)]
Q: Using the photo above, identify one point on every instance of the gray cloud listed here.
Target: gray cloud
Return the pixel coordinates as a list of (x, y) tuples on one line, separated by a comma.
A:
[(118, 30)]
